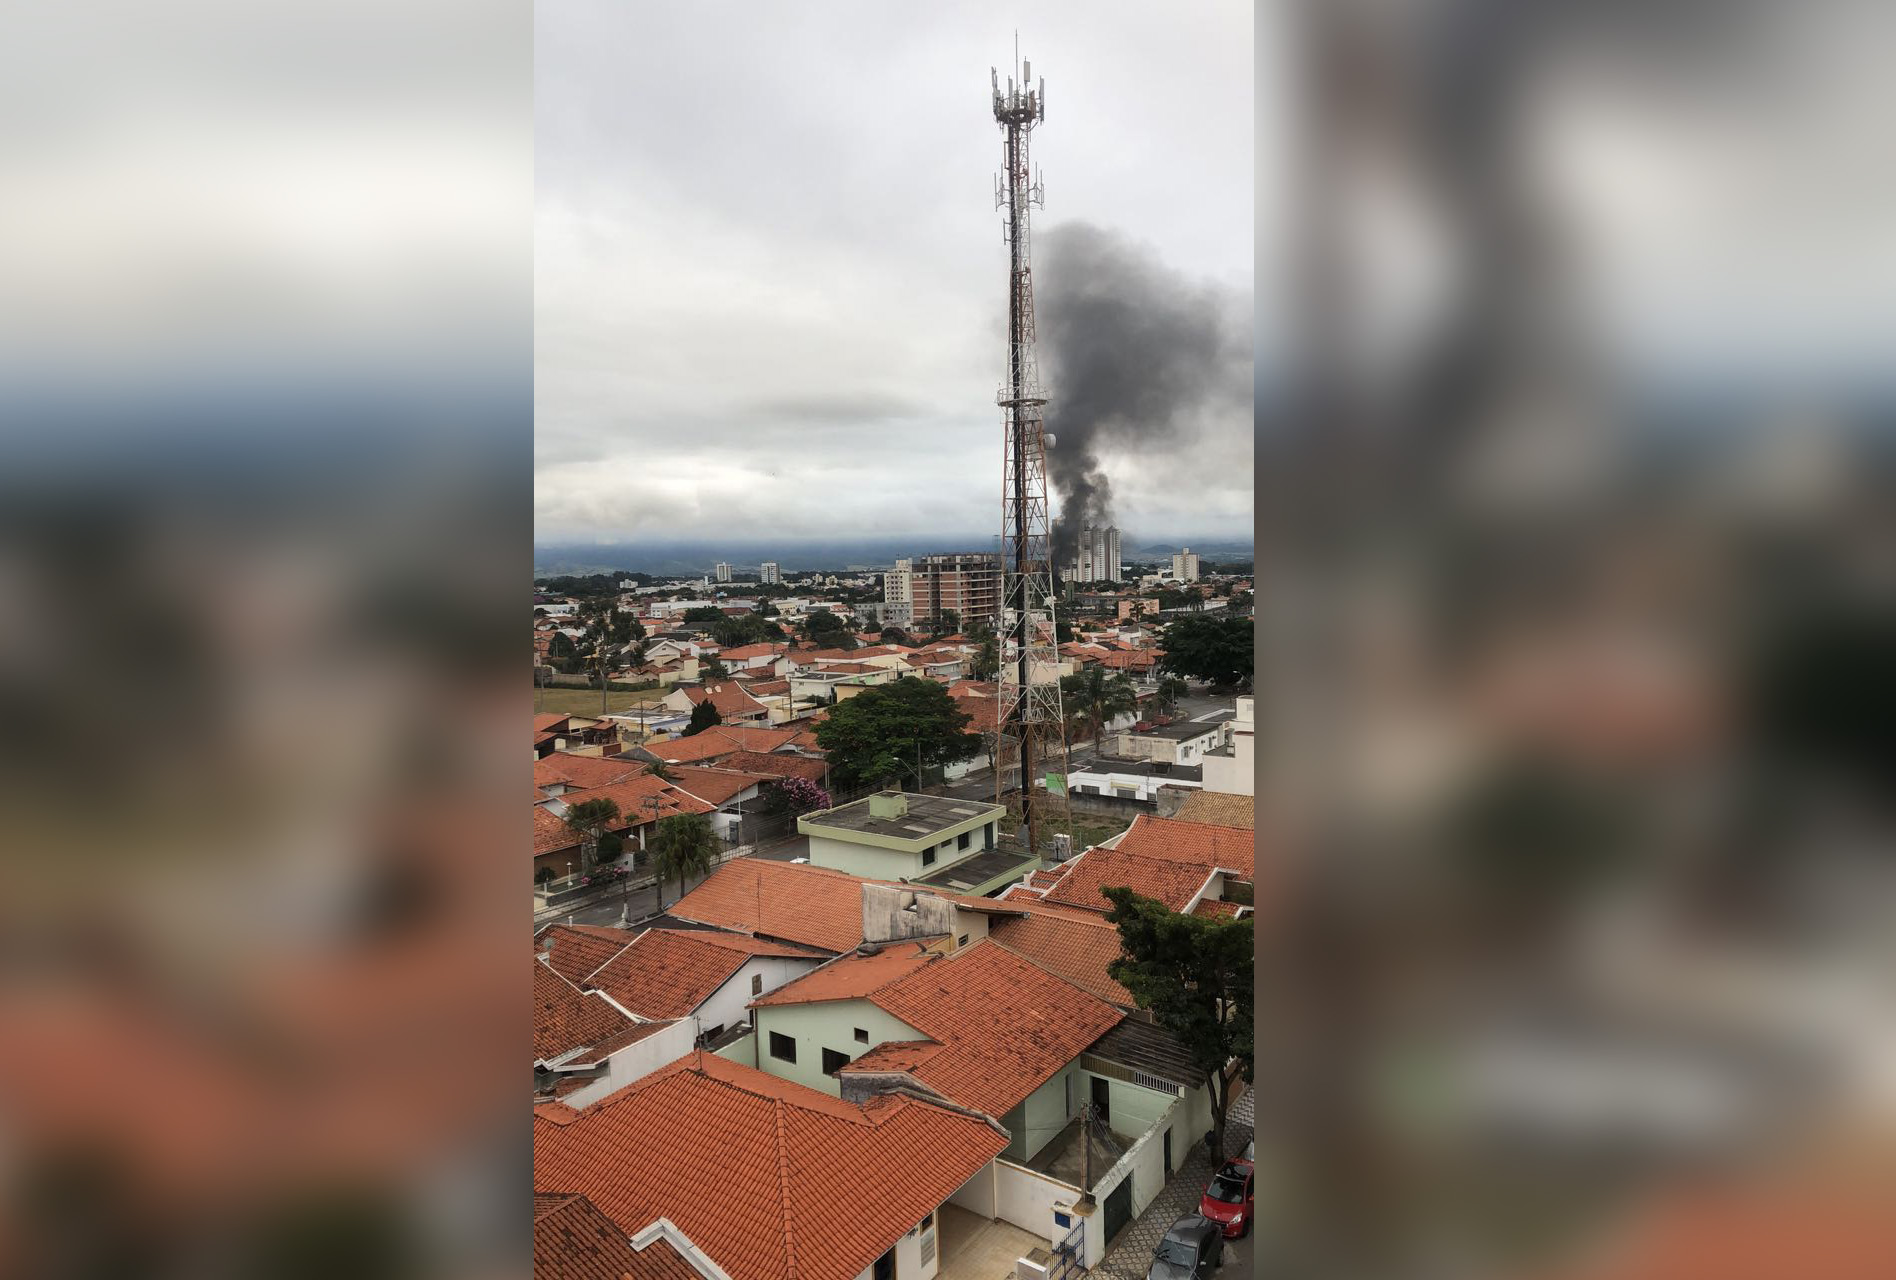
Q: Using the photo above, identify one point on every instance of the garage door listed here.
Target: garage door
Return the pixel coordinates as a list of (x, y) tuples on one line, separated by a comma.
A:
[(1118, 1208)]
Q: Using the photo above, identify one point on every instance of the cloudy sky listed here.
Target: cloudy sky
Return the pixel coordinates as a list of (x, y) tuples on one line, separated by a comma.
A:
[(770, 279)]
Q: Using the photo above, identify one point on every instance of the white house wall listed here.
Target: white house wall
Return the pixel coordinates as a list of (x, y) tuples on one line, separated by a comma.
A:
[(1029, 1200), (636, 1061), (725, 1007)]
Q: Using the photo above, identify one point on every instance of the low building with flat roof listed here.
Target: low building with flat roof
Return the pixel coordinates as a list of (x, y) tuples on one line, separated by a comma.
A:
[(893, 835)]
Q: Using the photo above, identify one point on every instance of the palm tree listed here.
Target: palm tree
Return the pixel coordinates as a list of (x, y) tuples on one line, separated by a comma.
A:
[(1095, 699), (685, 846), (588, 820)]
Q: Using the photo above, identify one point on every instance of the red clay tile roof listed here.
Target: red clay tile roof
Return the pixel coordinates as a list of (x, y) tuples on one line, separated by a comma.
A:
[(1172, 883), (769, 688), (1198, 843), (853, 976), (551, 834), (755, 651), (772, 1179), (631, 796), (1218, 810), (895, 1055), (1005, 1025), (713, 786), (585, 771), (1211, 908), (781, 765), (668, 973), (728, 696), (572, 1240), (793, 901), (574, 950), (596, 1055), (565, 1019), (1068, 946), (718, 741), (544, 722)]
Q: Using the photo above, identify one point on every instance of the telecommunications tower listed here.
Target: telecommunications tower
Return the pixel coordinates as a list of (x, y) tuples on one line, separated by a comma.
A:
[(1030, 714)]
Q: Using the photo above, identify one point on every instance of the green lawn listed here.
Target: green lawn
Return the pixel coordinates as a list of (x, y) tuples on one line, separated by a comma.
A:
[(585, 702), (1087, 831)]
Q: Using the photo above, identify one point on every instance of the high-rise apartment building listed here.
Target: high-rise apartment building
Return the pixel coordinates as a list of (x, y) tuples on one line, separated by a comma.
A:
[(1097, 557), (769, 573), (1185, 565), (723, 572), (966, 582), (898, 594)]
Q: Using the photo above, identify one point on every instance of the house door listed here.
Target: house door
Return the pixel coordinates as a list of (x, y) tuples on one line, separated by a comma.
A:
[(885, 1266), (1118, 1208), (1102, 1100), (1168, 1151)]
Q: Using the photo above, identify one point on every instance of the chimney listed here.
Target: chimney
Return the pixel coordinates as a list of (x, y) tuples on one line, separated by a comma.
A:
[(888, 804)]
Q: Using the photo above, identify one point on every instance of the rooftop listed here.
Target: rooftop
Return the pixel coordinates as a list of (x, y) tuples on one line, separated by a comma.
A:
[(1173, 883), (565, 1018), (1183, 731), (668, 973), (988, 869), (924, 818), (574, 950), (1218, 810), (853, 976), (1150, 1049), (1076, 947), (794, 902), (1102, 765), (771, 1179), (1201, 844)]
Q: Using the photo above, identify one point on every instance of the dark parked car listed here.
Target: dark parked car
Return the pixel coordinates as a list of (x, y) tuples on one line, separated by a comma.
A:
[(1193, 1249), (1229, 1201)]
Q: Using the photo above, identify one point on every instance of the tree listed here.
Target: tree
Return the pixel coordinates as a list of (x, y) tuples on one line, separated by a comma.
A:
[(704, 613), (1062, 631), (1213, 649), (795, 795), (1171, 689), (875, 737), (947, 622), (1240, 601), (683, 846), (895, 635), (703, 716), (1095, 699), (1194, 974), (827, 630), (588, 820), (714, 668)]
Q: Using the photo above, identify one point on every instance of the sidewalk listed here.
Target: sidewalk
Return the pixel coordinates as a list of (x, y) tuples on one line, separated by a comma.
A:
[(1131, 1254)]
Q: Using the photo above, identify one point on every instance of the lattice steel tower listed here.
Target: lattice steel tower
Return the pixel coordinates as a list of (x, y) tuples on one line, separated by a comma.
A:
[(1030, 713)]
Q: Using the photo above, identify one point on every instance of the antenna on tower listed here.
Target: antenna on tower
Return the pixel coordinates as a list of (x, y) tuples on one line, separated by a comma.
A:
[(1030, 713)]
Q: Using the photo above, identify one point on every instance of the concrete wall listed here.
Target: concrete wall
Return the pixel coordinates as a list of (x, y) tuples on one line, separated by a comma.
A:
[(636, 1061), (1044, 1113), (1028, 1200), (886, 916), (816, 1027), (977, 1193), (1134, 1108), (1236, 774), (1144, 1165), (866, 860), (743, 1050)]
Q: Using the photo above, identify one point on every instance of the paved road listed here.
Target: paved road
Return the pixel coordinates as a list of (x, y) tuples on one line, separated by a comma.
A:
[(641, 904), (1131, 1253)]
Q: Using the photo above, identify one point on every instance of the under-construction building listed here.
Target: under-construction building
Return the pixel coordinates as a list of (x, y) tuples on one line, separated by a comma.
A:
[(966, 583)]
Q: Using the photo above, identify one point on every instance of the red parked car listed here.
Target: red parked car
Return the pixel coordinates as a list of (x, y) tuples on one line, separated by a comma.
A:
[(1228, 1201)]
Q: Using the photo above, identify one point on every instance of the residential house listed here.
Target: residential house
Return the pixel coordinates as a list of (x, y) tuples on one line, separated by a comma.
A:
[(773, 1180), (1232, 767), (643, 801), (1130, 778), (704, 976), (734, 704), (716, 742), (585, 1046), (1185, 742), (1218, 810), (736, 798), (938, 841)]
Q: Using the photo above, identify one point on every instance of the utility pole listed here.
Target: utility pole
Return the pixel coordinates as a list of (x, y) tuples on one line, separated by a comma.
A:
[(1029, 684)]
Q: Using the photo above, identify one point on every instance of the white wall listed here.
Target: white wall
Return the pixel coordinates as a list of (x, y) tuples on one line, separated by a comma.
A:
[(1046, 1112), (977, 1193), (1144, 1164), (636, 1061), (742, 1050), (726, 1006), (1028, 1199)]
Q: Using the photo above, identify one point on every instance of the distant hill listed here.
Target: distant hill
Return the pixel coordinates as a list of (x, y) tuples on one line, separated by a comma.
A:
[(800, 556)]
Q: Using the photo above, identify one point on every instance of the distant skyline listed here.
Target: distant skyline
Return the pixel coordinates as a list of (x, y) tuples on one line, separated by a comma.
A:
[(770, 280)]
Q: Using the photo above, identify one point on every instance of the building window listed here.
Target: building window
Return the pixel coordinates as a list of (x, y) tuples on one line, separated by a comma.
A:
[(962, 941), (757, 984), (834, 1061), (988, 842), (1062, 1220), (961, 842), (928, 857), (862, 1037), (783, 1047)]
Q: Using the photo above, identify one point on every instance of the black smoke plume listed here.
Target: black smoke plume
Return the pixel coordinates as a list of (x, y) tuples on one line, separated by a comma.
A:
[(1135, 355)]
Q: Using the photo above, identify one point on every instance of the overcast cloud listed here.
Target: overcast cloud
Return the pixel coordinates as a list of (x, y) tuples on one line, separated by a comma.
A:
[(770, 280)]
